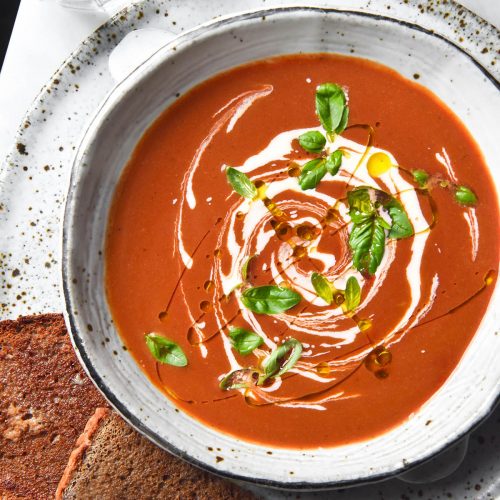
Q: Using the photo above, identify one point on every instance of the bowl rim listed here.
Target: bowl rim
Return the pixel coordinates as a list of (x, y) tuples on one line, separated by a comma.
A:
[(77, 338)]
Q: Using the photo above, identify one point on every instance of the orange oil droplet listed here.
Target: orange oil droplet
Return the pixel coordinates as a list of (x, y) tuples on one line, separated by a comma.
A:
[(378, 358), (299, 252), (217, 253), (323, 368), (378, 164), (285, 284), (294, 170), (339, 298), (283, 231), (307, 232), (163, 316), (208, 285), (206, 306), (240, 215), (490, 277), (364, 324)]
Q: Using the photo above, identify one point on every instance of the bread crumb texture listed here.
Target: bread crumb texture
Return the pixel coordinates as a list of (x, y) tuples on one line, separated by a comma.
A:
[(45, 402)]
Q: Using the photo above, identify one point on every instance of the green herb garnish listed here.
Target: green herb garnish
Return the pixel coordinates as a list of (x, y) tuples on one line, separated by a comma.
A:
[(312, 141), (367, 241), (367, 238), (331, 108), (312, 172), (165, 351), (334, 162), (241, 183), (352, 294), (244, 341), (322, 287), (274, 366), (269, 299), (465, 196), (421, 177), (401, 226), (240, 379)]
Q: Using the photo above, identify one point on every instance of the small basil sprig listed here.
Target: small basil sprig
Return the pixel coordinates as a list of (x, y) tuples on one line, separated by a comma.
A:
[(241, 183), (240, 379), (462, 194), (312, 172), (322, 287), (312, 141), (269, 299), (421, 177), (465, 196), (274, 366), (352, 294), (331, 108), (244, 341), (368, 236), (165, 350)]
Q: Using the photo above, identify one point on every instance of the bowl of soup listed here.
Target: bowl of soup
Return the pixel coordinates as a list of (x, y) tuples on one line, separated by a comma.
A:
[(281, 247)]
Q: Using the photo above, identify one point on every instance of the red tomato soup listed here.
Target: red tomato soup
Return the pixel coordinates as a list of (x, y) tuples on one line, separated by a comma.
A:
[(300, 250)]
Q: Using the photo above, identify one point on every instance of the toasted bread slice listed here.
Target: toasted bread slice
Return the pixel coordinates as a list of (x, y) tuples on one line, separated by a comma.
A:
[(113, 462), (45, 402)]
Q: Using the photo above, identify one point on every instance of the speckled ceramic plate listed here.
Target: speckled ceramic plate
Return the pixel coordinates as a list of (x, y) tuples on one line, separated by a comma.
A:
[(33, 180)]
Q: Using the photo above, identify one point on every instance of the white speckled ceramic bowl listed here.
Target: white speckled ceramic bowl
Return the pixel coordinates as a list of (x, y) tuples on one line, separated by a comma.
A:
[(467, 396)]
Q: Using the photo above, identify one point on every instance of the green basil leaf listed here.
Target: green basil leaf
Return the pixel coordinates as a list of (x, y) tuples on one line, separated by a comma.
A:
[(465, 196), (269, 299), (312, 172), (322, 287), (241, 183), (352, 294), (421, 177), (361, 207), (312, 141), (334, 162), (343, 121), (244, 341), (274, 366), (240, 379), (367, 242), (244, 267), (165, 351), (330, 105), (401, 225)]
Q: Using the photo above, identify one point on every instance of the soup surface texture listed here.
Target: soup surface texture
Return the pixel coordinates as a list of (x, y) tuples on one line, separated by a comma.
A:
[(320, 290)]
